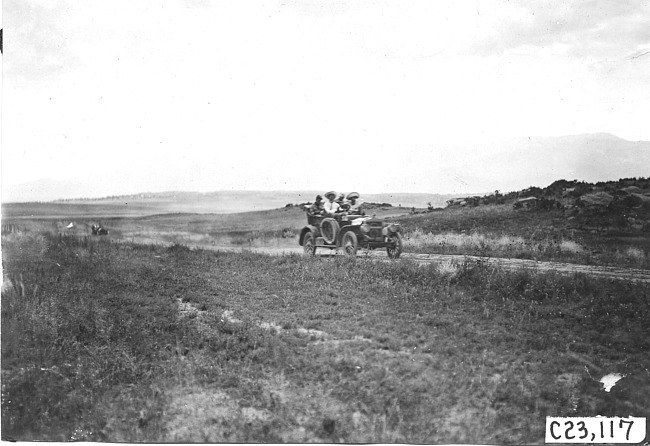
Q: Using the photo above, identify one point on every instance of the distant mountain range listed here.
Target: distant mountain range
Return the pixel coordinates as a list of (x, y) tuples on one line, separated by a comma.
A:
[(137, 205), (210, 202), (519, 163), (509, 165)]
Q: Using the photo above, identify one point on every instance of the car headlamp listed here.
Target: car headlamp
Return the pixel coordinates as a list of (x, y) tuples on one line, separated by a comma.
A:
[(365, 228), (391, 229)]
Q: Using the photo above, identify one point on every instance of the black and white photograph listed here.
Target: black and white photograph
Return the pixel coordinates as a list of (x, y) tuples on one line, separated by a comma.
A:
[(325, 221)]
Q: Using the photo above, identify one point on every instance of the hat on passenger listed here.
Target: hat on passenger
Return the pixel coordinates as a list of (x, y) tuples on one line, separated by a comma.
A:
[(353, 195), (318, 197), (330, 193)]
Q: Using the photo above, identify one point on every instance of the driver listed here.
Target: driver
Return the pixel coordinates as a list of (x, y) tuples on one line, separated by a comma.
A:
[(344, 205)]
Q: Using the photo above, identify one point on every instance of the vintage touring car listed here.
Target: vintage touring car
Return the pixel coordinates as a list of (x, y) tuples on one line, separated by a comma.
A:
[(350, 232)]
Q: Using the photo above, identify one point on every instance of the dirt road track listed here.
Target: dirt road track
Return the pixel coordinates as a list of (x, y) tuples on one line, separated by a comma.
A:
[(633, 275)]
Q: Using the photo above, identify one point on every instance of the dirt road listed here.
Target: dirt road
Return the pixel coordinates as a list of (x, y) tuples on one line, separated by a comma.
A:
[(633, 275)]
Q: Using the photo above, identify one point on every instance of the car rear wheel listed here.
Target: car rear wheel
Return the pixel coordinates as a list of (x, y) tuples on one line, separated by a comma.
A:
[(394, 248), (308, 244), (350, 243)]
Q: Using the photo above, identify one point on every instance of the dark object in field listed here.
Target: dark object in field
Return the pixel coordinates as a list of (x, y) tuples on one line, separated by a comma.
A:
[(537, 203), (464, 201), (596, 199), (528, 203), (329, 426), (11, 229), (99, 230)]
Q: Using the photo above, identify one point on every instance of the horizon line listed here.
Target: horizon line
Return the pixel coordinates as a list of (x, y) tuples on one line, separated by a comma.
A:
[(313, 191)]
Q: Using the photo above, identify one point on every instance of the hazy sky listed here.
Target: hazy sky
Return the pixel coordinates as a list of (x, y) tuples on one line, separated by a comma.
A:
[(209, 95)]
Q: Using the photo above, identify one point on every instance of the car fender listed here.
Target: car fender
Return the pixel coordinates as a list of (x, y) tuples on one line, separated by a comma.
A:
[(305, 230), (344, 229)]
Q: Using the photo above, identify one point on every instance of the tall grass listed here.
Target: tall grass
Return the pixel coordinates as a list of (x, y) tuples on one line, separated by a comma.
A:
[(513, 246), (488, 244), (540, 235), (75, 323)]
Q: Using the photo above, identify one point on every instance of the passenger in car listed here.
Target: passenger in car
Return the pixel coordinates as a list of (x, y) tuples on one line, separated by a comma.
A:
[(344, 205), (355, 202), (331, 206), (317, 208)]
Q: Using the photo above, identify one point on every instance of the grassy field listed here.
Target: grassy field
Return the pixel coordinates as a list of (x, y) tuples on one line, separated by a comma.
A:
[(489, 231), (269, 228), (126, 342), (546, 235)]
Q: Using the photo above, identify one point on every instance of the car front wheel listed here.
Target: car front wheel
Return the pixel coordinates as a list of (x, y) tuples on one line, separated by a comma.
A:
[(394, 248), (308, 244), (350, 243)]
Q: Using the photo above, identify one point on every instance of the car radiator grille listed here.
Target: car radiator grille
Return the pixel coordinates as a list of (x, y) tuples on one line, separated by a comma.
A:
[(375, 233)]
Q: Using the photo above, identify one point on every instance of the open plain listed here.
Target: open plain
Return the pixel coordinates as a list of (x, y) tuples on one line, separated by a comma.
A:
[(210, 328)]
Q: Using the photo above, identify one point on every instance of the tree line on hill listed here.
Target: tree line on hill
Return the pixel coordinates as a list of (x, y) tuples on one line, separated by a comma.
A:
[(624, 203), (560, 189)]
